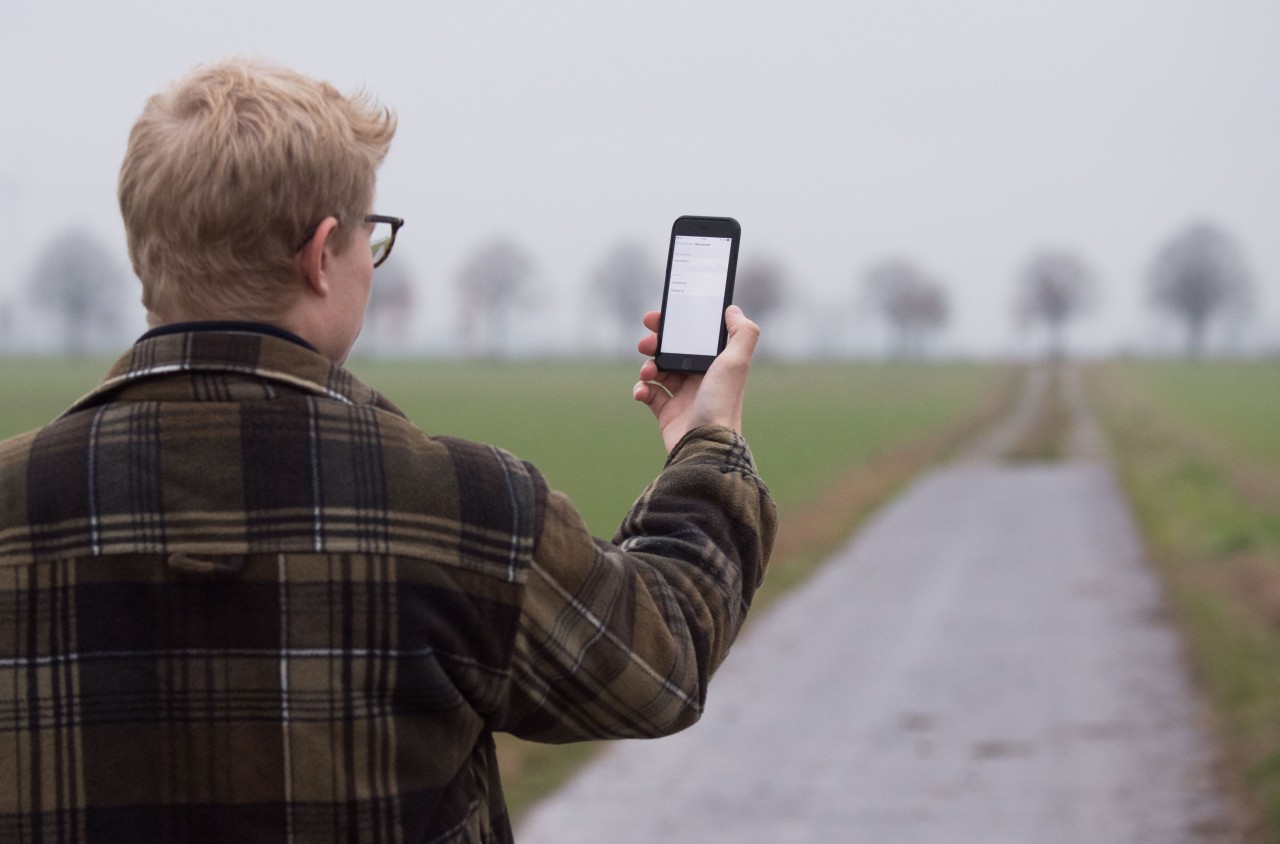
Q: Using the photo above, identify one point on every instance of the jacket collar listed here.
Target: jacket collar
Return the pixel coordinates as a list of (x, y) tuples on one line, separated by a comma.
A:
[(234, 326), (233, 353)]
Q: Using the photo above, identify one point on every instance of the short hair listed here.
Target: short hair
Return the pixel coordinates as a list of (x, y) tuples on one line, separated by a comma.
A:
[(229, 169)]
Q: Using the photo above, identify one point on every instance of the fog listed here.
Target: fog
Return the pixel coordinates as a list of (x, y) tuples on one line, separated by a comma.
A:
[(961, 136)]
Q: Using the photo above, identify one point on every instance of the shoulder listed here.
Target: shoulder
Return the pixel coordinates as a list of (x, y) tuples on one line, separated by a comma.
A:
[(483, 485), (16, 447), (15, 457)]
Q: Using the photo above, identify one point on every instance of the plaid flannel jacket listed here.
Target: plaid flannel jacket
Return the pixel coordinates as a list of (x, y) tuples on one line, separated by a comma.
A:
[(243, 599)]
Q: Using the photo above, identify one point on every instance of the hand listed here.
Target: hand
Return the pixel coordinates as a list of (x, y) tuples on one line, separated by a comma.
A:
[(692, 400)]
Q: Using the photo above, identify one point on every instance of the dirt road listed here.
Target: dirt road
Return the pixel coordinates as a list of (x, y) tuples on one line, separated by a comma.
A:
[(989, 660)]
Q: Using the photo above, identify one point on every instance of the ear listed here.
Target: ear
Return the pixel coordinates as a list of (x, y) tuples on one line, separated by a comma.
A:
[(313, 259)]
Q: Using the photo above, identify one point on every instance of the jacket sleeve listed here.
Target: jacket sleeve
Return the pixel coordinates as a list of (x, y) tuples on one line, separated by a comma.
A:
[(619, 639)]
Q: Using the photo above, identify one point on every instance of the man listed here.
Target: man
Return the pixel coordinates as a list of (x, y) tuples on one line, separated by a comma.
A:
[(243, 599)]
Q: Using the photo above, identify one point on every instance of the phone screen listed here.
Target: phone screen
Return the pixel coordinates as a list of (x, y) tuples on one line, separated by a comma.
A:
[(695, 296)]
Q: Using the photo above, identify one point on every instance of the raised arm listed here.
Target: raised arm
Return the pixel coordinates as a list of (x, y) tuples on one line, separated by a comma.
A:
[(619, 639)]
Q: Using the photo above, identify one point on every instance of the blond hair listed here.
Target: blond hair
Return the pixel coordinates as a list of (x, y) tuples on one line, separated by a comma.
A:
[(229, 170)]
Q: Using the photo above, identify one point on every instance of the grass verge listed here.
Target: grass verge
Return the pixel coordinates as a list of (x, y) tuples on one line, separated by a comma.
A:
[(1210, 513), (1046, 438)]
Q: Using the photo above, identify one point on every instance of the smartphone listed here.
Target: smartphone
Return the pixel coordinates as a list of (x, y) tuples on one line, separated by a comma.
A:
[(701, 263)]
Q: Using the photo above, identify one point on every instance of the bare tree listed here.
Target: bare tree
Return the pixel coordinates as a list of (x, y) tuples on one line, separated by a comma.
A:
[(494, 282), (76, 278), (627, 283), (1054, 288), (1198, 275), (760, 288), (914, 305)]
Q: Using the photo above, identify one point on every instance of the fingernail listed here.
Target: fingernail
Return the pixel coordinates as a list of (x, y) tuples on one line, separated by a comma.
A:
[(635, 391)]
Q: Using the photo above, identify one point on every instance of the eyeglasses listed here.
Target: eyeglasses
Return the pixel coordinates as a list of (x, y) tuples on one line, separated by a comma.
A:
[(381, 239), (383, 236)]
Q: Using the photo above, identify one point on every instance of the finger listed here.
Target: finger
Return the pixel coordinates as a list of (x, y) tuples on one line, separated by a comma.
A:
[(649, 371), (651, 393), (648, 344), (670, 381)]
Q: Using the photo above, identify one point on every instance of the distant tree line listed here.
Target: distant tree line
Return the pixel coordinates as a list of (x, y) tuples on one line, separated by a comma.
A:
[(1197, 277)]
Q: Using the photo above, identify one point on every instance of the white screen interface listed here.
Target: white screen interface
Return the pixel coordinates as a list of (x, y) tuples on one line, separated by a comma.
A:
[(695, 298)]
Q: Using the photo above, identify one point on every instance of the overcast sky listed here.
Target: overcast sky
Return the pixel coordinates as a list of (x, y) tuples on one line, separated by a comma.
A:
[(963, 136)]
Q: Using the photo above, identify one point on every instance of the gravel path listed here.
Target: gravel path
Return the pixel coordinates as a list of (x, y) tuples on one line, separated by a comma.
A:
[(989, 660)]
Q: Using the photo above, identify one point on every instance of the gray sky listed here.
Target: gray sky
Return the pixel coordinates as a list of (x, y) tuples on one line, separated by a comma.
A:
[(960, 135)]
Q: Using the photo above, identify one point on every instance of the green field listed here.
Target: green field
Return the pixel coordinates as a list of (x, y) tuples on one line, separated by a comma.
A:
[(1238, 403), (1198, 447), (577, 422), (34, 391)]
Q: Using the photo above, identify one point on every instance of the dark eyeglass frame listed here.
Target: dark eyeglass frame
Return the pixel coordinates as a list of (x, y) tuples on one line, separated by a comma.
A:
[(394, 222)]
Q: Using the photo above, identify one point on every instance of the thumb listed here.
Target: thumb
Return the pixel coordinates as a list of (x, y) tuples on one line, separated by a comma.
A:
[(743, 333), (719, 397)]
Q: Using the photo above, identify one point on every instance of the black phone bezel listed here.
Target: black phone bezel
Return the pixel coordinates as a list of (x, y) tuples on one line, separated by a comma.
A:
[(707, 227)]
